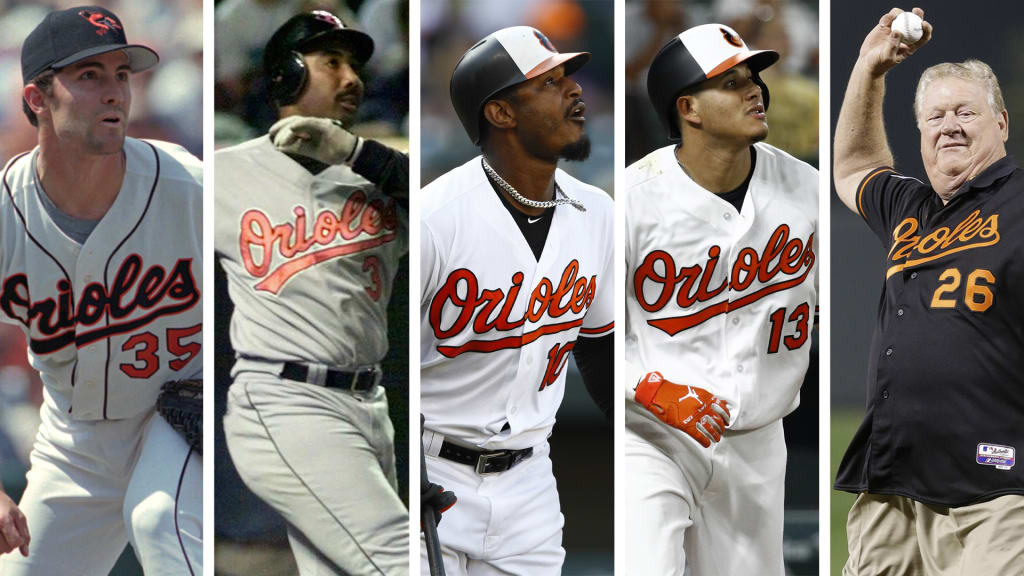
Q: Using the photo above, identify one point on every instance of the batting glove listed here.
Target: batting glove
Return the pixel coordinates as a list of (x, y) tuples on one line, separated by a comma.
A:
[(321, 139), (688, 408), (433, 495)]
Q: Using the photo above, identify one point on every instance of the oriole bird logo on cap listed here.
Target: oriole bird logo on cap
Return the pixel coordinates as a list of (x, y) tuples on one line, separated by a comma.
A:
[(544, 41), (730, 38), (102, 22)]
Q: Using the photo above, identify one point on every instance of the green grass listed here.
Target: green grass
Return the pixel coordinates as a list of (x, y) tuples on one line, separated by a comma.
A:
[(844, 424)]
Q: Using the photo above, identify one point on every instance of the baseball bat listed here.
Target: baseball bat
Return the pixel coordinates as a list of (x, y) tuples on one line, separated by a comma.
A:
[(428, 519)]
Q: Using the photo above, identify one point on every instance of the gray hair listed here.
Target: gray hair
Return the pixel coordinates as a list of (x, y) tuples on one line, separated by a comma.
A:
[(971, 70)]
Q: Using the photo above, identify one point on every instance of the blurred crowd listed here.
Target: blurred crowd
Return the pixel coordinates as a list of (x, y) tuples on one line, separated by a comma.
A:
[(167, 101), (450, 27), (789, 27), (243, 27)]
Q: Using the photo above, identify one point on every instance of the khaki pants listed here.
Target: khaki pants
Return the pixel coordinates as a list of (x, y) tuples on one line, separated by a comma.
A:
[(897, 536)]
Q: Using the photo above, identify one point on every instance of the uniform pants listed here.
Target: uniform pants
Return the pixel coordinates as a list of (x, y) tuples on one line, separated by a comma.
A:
[(503, 524), (95, 486), (324, 459), (718, 510), (898, 536)]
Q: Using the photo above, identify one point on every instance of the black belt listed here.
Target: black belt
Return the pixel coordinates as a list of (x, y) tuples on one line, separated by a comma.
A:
[(484, 461), (362, 381)]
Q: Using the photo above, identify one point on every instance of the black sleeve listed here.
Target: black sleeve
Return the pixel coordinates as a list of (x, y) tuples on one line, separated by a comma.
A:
[(595, 357), (385, 167), (885, 197)]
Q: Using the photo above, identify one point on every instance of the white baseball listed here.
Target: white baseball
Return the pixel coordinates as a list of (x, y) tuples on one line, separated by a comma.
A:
[(908, 25)]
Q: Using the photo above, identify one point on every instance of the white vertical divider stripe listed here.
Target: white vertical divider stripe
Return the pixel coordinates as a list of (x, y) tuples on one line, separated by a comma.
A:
[(620, 282), (208, 291), (824, 288), (414, 285)]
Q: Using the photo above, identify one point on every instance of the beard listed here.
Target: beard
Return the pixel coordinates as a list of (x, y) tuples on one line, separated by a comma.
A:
[(577, 151)]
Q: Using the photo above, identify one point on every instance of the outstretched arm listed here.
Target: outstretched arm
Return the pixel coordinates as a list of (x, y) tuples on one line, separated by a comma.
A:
[(860, 143)]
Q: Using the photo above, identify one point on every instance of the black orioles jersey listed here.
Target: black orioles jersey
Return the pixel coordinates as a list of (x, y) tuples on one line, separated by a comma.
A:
[(945, 389)]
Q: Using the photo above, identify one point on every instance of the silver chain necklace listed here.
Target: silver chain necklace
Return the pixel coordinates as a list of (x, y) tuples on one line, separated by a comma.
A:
[(564, 199)]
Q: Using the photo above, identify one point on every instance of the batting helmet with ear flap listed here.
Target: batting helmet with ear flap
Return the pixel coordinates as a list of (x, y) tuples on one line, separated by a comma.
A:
[(309, 32), (505, 58), (700, 53)]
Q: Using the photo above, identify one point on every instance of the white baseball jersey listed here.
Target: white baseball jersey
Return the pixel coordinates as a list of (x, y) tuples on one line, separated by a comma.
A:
[(497, 324), (108, 321), (310, 259), (719, 299)]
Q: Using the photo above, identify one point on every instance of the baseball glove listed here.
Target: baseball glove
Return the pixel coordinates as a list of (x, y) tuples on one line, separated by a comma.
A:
[(181, 404), (693, 410)]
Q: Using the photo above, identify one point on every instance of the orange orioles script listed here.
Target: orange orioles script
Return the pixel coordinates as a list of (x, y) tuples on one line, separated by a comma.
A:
[(910, 249), (790, 258), (571, 294), (302, 249)]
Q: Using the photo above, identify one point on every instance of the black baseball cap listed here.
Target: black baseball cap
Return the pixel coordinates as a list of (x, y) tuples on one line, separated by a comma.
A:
[(68, 36), (314, 31)]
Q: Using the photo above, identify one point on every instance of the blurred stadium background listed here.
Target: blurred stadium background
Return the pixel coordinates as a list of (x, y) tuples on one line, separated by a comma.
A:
[(857, 254), (166, 105), (582, 442), (791, 28), (250, 537)]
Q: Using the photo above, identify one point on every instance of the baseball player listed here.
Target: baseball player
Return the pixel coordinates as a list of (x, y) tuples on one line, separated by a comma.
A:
[(101, 266), (310, 229), (516, 269), (933, 462), (721, 263)]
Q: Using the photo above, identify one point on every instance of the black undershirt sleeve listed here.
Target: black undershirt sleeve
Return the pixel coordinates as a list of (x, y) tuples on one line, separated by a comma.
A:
[(385, 167), (595, 357)]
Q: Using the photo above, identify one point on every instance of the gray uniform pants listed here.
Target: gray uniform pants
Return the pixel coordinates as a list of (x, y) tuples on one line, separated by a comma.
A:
[(324, 459)]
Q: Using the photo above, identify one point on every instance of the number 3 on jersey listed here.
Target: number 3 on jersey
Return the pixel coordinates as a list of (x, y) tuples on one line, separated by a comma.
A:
[(147, 347), (799, 317)]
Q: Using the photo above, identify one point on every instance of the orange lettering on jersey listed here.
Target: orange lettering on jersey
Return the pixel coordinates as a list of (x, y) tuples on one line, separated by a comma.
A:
[(260, 238), (909, 249), (781, 255), (548, 299)]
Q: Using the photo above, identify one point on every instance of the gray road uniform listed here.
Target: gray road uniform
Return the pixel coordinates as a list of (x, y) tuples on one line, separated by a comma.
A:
[(310, 258)]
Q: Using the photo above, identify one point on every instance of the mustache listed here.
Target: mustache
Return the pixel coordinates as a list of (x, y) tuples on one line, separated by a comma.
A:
[(353, 95)]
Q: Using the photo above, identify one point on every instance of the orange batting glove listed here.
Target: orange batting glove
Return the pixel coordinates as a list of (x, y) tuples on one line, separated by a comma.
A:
[(688, 408)]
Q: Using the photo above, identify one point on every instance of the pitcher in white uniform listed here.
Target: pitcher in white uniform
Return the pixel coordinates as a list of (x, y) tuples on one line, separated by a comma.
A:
[(721, 264), (101, 265)]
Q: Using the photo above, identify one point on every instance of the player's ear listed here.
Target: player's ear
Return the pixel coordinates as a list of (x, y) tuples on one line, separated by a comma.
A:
[(35, 98), (688, 109), (500, 114), (1004, 124)]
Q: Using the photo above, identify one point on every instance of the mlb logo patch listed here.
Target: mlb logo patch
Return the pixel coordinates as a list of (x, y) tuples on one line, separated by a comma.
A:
[(1002, 457)]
